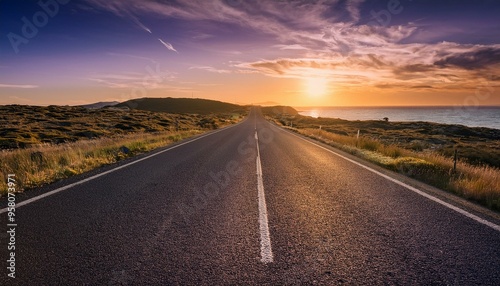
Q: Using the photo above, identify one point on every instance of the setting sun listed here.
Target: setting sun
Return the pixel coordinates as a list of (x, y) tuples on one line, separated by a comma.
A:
[(316, 86)]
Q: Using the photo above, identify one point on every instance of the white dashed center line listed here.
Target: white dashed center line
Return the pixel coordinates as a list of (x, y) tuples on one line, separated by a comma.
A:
[(266, 251)]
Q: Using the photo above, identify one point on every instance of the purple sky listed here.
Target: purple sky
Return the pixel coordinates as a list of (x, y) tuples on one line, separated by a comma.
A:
[(298, 53)]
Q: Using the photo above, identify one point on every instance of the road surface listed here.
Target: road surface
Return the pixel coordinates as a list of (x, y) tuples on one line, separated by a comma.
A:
[(217, 210)]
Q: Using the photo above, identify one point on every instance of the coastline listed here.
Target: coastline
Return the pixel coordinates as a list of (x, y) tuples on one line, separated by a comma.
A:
[(479, 116)]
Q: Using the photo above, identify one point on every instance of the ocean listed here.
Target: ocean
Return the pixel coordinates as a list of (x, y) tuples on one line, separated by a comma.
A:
[(484, 116)]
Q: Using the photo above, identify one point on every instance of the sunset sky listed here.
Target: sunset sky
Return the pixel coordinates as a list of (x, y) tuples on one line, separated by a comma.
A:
[(299, 53)]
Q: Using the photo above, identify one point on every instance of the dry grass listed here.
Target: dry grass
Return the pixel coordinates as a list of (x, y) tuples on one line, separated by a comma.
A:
[(48, 163), (24, 126), (478, 183)]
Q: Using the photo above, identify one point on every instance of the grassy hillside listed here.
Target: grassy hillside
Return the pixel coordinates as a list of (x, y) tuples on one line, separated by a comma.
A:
[(99, 104), (23, 126), (279, 110), (180, 105)]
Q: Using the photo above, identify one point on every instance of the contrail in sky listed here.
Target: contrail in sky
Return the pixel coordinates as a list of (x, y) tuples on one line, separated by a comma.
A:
[(168, 45)]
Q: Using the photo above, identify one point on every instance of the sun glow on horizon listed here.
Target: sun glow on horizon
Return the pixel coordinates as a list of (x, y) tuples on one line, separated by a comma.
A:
[(316, 86)]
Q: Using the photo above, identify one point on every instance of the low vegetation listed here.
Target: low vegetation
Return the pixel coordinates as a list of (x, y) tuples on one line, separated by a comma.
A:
[(45, 144), (421, 150), (23, 126)]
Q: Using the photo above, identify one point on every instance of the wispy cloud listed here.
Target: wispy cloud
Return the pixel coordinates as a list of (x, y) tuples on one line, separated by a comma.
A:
[(209, 69), (132, 80), (290, 47), (286, 67), (18, 86), (285, 19), (317, 38), (413, 66), (479, 58), (118, 80), (140, 24), (168, 46)]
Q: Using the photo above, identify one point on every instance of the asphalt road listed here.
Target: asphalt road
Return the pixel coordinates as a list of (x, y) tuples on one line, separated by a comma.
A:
[(193, 215)]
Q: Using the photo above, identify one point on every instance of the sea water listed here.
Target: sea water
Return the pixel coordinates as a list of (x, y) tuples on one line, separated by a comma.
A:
[(484, 116)]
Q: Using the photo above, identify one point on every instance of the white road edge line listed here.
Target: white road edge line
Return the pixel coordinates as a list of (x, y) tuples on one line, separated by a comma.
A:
[(424, 194), (266, 251), (34, 199)]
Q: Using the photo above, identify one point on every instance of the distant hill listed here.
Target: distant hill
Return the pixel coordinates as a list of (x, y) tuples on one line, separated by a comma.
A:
[(100, 104), (180, 105), (275, 110), (267, 103)]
